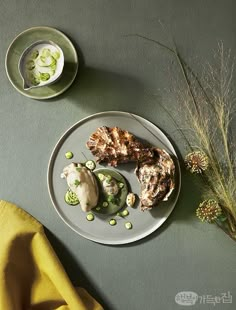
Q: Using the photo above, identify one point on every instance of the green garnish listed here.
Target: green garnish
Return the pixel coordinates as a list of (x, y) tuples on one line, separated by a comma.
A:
[(101, 176), (111, 198), (77, 183), (78, 169), (108, 178), (47, 61), (30, 65), (35, 81), (105, 204), (53, 64), (90, 164), (128, 225), (98, 208), (44, 76), (71, 198), (69, 155), (90, 217), (34, 54), (121, 185), (112, 222), (125, 213), (46, 52), (56, 54)]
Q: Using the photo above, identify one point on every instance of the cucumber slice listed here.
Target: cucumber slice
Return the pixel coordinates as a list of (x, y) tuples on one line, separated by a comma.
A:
[(71, 198), (44, 76), (69, 155), (56, 54), (112, 222), (125, 212), (111, 198), (101, 177), (30, 65), (48, 61), (108, 178), (90, 164), (105, 204), (128, 225), (34, 54), (121, 185), (90, 217), (46, 52)]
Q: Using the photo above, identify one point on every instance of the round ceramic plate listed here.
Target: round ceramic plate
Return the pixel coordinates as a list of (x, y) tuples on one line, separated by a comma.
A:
[(25, 39), (99, 230)]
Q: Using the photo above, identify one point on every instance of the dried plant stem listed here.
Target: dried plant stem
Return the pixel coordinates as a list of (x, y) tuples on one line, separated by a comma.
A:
[(179, 60), (209, 117), (226, 231)]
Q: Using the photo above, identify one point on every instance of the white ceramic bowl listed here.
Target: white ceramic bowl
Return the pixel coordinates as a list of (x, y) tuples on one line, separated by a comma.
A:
[(41, 64)]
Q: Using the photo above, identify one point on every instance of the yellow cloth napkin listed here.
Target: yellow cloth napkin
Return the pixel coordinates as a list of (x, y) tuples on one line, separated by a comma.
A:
[(31, 275)]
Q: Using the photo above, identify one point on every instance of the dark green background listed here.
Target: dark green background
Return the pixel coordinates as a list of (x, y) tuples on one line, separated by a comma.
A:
[(127, 74)]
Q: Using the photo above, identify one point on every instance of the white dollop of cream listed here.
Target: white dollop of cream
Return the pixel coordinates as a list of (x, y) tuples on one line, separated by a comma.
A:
[(110, 187)]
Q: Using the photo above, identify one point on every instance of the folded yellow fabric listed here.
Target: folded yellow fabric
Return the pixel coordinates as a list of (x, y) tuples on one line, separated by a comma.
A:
[(31, 275)]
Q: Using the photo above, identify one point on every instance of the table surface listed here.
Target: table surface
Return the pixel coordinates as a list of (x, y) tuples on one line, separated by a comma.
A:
[(123, 73)]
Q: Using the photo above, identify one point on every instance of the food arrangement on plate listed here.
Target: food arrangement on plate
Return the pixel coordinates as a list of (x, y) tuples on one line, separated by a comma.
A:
[(105, 191)]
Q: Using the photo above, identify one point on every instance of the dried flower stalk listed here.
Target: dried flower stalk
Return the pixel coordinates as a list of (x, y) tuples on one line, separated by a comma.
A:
[(209, 111)]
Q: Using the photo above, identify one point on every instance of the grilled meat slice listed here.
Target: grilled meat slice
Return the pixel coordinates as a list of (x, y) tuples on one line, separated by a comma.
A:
[(114, 145), (156, 178)]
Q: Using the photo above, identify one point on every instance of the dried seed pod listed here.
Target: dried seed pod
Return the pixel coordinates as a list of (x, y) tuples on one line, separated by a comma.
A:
[(208, 211), (196, 162)]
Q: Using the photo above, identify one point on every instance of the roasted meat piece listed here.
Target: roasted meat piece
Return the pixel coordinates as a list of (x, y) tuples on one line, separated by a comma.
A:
[(155, 168), (114, 145), (156, 178)]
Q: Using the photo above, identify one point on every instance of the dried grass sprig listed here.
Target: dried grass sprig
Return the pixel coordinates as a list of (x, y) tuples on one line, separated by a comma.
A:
[(208, 106)]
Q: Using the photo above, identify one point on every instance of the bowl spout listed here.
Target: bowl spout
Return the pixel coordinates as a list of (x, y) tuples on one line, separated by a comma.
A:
[(26, 86)]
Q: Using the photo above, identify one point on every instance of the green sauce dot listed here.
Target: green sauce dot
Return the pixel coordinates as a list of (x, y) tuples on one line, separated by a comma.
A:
[(90, 217), (111, 198), (112, 222), (125, 213), (121, 185), (105, 204), (128, 225), (69, 155)]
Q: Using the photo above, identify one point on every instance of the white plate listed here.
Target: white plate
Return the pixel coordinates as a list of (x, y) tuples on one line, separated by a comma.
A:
[(99, 230)]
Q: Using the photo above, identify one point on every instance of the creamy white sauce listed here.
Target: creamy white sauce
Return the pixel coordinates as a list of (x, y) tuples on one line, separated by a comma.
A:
[(58, 67), (110, 187)]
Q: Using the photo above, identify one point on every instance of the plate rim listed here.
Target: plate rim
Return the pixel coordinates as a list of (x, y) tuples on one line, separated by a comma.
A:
[(72, 47), (94, 239)]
